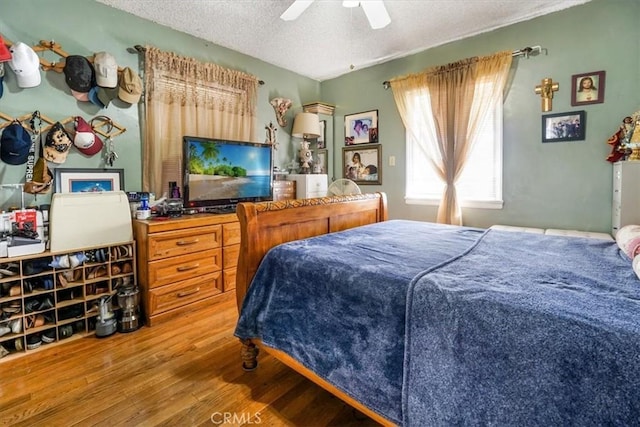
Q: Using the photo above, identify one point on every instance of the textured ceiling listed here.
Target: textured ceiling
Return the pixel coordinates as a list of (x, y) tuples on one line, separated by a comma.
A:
[(327, 39)]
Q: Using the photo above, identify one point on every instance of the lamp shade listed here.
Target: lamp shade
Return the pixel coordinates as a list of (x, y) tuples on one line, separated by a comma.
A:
[(306, 125)]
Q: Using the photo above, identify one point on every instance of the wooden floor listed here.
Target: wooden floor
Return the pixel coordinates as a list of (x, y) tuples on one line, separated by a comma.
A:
[(182, 373)]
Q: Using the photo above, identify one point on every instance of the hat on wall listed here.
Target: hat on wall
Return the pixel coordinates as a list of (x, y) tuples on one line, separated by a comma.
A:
[(130, 86), (25, 64), (15, 144), (57, 144), (80, 96), (79, 73), (93, 97), (86, 140), (106, 69), (5, 54)]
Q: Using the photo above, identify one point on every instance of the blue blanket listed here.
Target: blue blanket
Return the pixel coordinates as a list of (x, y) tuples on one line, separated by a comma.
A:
[(436, 325)]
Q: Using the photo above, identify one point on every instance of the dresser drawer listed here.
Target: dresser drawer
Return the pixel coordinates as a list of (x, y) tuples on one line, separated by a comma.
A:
[(185, 292), (181, 242), (230, 256), (171, 270), (231, 233), (229, 279)]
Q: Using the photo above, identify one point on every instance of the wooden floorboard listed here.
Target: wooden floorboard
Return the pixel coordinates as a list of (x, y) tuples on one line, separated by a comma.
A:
[(186, 372)]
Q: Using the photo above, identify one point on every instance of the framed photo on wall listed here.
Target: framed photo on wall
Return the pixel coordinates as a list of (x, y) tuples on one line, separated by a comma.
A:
[(560, 127), (321, 162), (356, 127), (587, 88), (88, 180), (363, 164)]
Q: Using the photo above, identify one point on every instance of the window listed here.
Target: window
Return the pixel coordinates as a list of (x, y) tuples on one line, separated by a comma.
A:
[(479, 185)]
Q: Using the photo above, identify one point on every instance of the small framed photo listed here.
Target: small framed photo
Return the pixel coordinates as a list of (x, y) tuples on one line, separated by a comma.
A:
[(357, 126), (363, 164), (88, 180), (321, 162), (587, 88), (560, 127), (322, 139)]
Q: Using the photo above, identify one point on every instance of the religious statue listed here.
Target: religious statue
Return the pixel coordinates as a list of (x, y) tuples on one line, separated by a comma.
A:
[(280, 106)]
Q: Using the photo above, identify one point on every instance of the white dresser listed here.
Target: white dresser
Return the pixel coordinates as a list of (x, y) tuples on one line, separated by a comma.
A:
[(310, 185), (626, 195)]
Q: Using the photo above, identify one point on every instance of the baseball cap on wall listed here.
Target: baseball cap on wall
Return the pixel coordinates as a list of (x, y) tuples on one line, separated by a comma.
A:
[(86, 140), (15, 144), (25, 64), (79, 73), (106, 69), (130, 86), (5, 54), (1, 78)]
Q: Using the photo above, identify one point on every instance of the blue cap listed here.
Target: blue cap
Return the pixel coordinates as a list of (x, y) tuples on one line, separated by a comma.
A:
[(15, 144), (93, 97)]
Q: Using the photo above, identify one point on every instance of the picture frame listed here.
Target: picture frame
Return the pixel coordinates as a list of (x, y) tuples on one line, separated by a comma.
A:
[(588, 88), (356, 127), (569, 126), (88, 180), (369, 169), (321, 162), (322, 139)]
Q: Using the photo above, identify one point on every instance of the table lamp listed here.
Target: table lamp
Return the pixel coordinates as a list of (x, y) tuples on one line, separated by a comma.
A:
[(306, 126)]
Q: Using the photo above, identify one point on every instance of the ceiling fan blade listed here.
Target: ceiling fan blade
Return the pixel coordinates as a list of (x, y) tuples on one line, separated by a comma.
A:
[(296, 9), (376, 13)]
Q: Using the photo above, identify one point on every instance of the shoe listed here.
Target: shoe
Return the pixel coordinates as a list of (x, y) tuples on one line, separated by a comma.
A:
[(10, 269), (47, 283), (14, 290), (77, 259), (60, 261), (33, 341), (28, 286), (17, 343), (62, 280), (126, 268), (65, 331), (36, 266), (115, 269), (49, 336), (98, 271), (16, 325), (46, 304), (4, 330), (3, 352), (31, 305)]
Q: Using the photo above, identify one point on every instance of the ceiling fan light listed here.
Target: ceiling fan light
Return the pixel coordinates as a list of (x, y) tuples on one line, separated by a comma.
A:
[(350, 3), (295, 10), (376, 13)]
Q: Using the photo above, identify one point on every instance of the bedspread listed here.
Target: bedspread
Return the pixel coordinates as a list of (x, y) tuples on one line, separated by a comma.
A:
[(439, 325)]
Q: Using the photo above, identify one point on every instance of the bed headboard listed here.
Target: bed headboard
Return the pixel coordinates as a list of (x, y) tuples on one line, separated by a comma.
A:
[(267, 224)]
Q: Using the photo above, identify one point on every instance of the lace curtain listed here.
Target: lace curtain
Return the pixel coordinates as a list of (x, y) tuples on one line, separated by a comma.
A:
[(458, 107), (186, 97)]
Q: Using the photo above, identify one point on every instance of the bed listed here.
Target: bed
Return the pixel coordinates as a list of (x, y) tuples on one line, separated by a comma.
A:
[(416, 323)]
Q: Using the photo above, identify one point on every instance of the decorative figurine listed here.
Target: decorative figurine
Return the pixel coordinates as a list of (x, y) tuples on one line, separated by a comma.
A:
[(280, 106), (545, 90), (305, 157), (271, 136)]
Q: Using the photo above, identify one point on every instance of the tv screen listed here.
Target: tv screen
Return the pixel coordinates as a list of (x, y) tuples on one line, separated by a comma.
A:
[(219, 172)]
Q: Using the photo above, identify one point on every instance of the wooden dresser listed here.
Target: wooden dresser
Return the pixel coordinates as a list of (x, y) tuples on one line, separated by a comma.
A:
[(185, 263), (284, 190)]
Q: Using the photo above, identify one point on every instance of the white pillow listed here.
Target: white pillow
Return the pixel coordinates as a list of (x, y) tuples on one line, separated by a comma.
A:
[(628, 239)]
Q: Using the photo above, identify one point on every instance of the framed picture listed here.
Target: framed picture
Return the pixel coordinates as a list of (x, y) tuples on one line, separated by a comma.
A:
[(564, 126), (363, 164), (322, 140), (321, 162), (587, 88), (356, 127), (88, 180)]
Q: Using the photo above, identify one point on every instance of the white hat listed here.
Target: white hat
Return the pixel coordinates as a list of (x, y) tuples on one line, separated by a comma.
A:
[(25, 64), (106, 69)]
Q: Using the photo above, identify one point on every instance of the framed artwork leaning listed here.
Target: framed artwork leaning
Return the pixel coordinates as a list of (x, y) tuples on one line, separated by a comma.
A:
[(88, 180), (363, 164)]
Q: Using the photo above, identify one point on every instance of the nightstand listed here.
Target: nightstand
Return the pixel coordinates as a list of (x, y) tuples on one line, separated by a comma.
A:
[(310, 185)]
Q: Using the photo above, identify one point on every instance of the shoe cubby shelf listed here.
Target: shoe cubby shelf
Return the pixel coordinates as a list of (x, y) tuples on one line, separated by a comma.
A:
[(50, 297)]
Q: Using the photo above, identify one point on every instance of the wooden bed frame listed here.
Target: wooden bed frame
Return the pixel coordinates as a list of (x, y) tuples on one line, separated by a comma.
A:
[(267, 224)]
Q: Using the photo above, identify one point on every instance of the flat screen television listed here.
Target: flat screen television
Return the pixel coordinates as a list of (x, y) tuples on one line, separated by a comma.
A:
[(219, 173)]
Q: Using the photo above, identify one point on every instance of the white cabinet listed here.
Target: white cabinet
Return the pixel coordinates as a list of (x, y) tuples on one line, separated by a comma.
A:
[(310, 185), (626, 195)]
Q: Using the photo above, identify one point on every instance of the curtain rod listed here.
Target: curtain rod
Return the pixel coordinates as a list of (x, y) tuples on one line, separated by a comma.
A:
[(141, 49), (525, 51)]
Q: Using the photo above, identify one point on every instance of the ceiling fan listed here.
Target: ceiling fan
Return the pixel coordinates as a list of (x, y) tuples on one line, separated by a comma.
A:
[(375, 11)]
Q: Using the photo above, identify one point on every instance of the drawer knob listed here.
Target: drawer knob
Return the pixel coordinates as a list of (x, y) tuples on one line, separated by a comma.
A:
[(187, 242), (188, 267), (187, 293)]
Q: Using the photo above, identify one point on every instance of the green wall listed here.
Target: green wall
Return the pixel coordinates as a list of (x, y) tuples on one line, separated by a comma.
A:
[(563, 185), (83, 27), (551, 185)]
